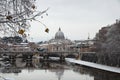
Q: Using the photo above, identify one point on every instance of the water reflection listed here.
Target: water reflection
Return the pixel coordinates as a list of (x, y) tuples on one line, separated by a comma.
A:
[(31, 66), (38, 69), (98, 74)]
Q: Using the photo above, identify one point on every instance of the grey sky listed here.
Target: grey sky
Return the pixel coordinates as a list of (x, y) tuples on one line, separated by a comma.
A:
[(76, 18)]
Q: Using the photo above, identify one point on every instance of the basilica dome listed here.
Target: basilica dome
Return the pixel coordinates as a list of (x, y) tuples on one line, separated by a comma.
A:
[(59, 34)]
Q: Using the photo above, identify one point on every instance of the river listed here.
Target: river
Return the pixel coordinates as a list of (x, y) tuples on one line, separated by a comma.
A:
[(38, 69)]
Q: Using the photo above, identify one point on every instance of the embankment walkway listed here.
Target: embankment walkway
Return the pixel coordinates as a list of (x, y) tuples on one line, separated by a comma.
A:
[(94, 65)]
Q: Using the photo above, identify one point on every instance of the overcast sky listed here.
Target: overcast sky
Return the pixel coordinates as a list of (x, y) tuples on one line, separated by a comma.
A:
[(76, 18)]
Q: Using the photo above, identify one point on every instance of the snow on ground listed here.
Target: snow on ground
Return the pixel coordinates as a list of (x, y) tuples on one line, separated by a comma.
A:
[(94, 65)]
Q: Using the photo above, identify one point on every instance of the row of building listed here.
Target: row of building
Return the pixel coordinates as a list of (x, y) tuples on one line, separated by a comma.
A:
[(58, 43)]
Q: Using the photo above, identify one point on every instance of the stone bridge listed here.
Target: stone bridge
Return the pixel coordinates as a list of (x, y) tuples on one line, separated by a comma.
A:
[(45, 55), (62, 55)]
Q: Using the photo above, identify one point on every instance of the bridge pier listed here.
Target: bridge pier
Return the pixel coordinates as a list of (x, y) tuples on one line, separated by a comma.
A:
[(62, 58), (28, 60), (78, 57), (12, 58), (45, 57)]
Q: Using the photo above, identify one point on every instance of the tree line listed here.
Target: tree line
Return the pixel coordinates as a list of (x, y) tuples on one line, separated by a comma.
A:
[(107, 43)]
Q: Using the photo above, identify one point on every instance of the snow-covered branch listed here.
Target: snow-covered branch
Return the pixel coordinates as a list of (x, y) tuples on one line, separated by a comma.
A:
[(16, 14)]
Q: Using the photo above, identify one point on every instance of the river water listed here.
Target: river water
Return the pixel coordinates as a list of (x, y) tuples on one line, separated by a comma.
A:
[(38, 69)]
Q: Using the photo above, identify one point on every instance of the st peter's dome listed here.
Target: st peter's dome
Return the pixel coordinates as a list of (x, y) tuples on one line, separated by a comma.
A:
[(59, 34)]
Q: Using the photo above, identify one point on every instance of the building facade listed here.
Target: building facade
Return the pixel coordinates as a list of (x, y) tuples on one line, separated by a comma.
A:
[(59, 42)]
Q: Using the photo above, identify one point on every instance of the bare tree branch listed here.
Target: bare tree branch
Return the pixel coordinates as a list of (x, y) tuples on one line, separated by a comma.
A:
[(16, 14)]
